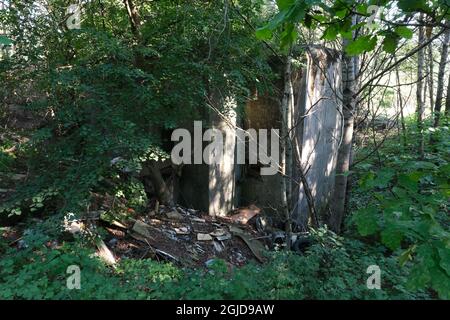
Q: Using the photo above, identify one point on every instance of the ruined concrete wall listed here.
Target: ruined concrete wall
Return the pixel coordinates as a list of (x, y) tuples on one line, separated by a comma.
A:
[(222, 176), (318, 116), (263, 191), (218, 188), (211, 187)]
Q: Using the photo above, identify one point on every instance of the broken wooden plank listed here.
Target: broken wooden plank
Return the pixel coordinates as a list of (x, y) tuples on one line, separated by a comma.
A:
[(104, 253)]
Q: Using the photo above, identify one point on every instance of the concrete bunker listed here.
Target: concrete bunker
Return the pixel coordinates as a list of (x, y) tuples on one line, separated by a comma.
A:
[(317, 126)]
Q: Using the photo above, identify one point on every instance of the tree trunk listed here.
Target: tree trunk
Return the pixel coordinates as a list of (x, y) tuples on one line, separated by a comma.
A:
[(344, 152), (135, 20), (420, 103), (286, 154), (440, 82), (447, 101), (163, 193), (400, 106), (430, 76)]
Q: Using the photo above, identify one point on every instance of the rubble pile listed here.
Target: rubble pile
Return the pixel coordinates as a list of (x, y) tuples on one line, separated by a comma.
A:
[(187, 238)]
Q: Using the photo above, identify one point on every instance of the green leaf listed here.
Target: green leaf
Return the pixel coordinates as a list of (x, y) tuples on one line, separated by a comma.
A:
[(406, 255), (419, 277), (297, 12), (390, 43), (392, 237), (360, 45), (408, 181), (284, 4), (404, 32), (264, 33), (367, 181), (5, 41), (288, 36), (413, 6), (277, 20), (426, 165), (330, 33), (444, 254), (383, 178), (366, 221), (341, 13), (440, 282), (426, 253)]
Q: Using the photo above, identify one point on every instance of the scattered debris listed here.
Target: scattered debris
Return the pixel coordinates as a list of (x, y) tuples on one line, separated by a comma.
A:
[(166, 255), (224, 237), (255, 246), (174, 215), (118, 224), (278, 239), (204, 237), (113, 242), (182, 230), (237, 258), (104, 253), (72, 226), (183, 236), (263, 223), (141, 228), (218, 232), (244, 214), (217, 246)]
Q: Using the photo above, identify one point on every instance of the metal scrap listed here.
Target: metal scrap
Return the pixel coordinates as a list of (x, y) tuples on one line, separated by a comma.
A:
[(255, 246)]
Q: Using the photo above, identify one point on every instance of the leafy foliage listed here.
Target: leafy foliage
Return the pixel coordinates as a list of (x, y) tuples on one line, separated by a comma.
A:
[(409, 211), (103, 93), (335, 18), (333, 268)]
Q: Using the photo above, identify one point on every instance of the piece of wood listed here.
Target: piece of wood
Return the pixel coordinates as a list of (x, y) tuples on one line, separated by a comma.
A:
[(104, 253), (244, 214)]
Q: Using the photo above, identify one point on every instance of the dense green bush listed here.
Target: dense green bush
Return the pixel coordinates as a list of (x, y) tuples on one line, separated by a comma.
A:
[(333, 268), (406, 205), (103, 93)]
